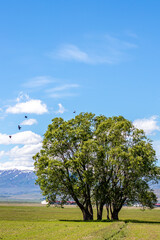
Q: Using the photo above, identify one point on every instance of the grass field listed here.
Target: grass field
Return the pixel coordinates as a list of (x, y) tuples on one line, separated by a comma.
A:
[(39, 222)]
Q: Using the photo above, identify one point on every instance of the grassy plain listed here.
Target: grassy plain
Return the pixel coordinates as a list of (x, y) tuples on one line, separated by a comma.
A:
[(22, 222)]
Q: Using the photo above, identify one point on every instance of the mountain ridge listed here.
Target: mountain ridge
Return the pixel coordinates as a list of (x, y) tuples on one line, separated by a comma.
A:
[(19, 185)]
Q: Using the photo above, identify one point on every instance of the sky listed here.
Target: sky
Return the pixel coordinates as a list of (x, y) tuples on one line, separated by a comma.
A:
[(57, 57)]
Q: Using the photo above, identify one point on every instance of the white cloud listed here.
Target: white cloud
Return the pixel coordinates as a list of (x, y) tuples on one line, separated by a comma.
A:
[(16, 165), (156, 146), (26, 137), (131, 34), (62, 91), (22, 97), (148, 125), (25, 151), (62, 95), (38, 81), (118, 44), (61, 109), (72, 52), (63, 87), (29, 122), (21, 157), (129, 45), (2, 153), (31, 106), (105, 50)]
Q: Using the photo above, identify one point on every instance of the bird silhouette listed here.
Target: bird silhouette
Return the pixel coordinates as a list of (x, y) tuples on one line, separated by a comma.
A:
[(10, 136), (74, 112), (25, 116), (19, 127)]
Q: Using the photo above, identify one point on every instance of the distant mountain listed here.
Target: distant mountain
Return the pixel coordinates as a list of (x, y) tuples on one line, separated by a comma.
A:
[(19, 185), (156, 188)]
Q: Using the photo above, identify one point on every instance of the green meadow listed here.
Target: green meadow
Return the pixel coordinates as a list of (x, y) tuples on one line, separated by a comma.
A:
[(39, 222)]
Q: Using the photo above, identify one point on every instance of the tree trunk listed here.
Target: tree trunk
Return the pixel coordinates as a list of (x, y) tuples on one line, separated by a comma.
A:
[(110, 206), (115, 214), (87, 216), (90, 209), (99, 211), (86, 211), (107, 208)]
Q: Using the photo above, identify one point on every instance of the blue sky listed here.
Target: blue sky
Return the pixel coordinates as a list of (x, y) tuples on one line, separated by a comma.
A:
[(84, 55)]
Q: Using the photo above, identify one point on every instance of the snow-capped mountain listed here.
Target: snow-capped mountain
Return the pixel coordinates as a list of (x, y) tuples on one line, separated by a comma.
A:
[(19, 185)]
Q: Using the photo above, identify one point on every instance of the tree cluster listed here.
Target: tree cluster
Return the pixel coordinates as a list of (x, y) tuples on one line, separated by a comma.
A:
[(97, 161)]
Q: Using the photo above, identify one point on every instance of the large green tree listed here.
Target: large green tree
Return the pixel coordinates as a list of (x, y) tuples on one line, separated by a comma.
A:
[(96, 160), (64, 165), (131, 165)]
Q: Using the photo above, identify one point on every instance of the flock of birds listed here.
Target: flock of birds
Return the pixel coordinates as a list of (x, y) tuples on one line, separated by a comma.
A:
[(19, 127)]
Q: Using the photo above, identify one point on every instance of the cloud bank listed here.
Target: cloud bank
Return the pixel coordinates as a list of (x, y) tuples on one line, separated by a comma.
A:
[(21, 157), (148, 125), (26, 137), (31, 106)]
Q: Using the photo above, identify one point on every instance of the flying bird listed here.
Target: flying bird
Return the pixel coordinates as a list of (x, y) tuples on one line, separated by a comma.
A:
[(10, 136), (19, 127), (74, 112), (26, 116)]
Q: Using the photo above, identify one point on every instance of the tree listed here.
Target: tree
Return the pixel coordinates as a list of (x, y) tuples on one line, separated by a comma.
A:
[(131, 163), (96, 160), (64, 165)]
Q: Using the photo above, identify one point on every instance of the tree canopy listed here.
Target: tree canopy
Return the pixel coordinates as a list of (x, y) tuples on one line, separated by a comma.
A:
[(96, 160)]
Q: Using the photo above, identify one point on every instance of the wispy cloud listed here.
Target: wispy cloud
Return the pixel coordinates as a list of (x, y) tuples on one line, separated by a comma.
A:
[(2, 113), (149, 125), (156, 146), (61, 91), (61, 109), (129, 45), (29, 122), (63, 87), (62, 95), (131, 34), (2, 153), (38, 81), (22, 97), (72, 52), (105, 50), (31, 106), (118, 43)]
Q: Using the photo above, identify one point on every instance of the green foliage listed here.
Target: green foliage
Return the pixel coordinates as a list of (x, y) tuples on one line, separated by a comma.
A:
[(131, 164), (96, 160)]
